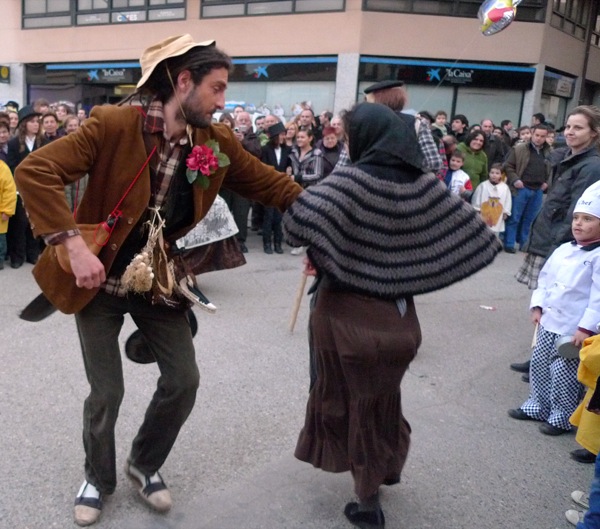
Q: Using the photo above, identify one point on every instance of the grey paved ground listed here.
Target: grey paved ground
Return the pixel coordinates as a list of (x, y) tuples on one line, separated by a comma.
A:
[(232, 467)]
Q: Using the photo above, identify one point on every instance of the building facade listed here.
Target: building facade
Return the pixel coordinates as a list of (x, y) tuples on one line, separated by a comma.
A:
[(323, 51)]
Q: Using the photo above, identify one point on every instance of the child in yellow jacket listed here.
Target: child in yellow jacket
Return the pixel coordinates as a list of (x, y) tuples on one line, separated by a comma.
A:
[(587, 418), (8, 203), (588, 423)]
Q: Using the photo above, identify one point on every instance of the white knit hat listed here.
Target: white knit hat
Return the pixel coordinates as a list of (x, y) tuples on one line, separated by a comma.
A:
[(589, 202)]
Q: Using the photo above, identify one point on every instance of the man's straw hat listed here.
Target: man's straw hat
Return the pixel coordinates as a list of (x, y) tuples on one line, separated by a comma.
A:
[(170, 47)]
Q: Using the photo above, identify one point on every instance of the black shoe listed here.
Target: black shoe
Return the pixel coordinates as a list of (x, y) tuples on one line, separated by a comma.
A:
[(16, 264), (364, 519), (520, 415), (521, 368), (392, 480), (525, 378), (32, 260), (268, 249), (510, 250), (243, 247), (583, 456), (278, 248), (549, 429)]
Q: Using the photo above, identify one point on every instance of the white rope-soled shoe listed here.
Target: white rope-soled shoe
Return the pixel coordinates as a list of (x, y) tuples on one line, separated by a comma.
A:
[(88, 505), (152, 489)]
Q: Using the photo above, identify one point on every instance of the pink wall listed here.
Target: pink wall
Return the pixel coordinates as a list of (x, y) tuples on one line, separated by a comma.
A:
[(352, 31)]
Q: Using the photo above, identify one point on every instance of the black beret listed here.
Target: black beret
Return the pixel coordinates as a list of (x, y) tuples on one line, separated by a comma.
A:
[(382, 85)]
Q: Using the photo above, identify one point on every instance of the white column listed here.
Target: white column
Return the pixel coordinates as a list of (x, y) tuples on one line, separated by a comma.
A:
[(531, 103), (346, 81)]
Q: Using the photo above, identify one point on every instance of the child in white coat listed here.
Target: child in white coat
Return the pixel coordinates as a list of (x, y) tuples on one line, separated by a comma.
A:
[(566, 302), (493, 200)]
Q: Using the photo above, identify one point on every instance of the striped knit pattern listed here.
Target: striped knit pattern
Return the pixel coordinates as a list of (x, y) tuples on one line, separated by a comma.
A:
[(388, 239)]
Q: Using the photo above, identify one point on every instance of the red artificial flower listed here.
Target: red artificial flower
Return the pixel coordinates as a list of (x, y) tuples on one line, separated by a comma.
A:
[(203, 159)]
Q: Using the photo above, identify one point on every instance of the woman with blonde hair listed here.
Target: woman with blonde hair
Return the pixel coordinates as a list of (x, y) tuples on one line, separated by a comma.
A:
[(291, 129), (71, 123)]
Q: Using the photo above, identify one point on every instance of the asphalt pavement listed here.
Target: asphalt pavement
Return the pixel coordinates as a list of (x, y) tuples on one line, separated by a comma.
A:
[(232, 467)]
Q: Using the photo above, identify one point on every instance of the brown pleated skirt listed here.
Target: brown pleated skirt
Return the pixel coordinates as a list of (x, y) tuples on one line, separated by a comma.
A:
[(218, 255), (354, 415)]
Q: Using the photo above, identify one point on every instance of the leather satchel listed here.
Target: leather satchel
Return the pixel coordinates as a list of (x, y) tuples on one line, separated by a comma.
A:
[(95, 236)]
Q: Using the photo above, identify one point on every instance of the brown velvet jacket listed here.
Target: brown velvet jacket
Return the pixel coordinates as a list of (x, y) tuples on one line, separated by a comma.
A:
[(110, 148)]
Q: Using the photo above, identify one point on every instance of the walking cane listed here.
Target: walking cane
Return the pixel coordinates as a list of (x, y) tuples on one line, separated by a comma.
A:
[(534, 340), (297, 302)]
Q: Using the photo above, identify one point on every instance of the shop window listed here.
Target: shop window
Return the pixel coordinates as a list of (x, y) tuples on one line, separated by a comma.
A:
[(57, 13), (572, 17), (33, 7), (528, 10), (233, 8), (596, 33), (47, 22), (495, 104), (280, 98)]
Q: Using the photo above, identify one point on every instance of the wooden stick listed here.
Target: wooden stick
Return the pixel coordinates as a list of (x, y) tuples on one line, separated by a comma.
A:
[(534, 340), (297, 302)]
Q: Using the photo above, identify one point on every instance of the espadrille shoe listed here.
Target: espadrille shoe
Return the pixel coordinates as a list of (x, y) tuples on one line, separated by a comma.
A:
[(152, 489), (88, 505)]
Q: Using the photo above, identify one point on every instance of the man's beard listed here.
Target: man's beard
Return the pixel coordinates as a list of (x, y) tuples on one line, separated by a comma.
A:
[(193, 116)]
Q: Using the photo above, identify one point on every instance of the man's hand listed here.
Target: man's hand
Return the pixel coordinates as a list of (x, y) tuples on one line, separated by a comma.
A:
[(544, 186), (518, 184), (536, 314), (5, 216), (87, 268)]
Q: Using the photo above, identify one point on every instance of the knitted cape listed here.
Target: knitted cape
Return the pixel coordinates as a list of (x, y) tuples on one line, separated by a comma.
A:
[(388, 239)]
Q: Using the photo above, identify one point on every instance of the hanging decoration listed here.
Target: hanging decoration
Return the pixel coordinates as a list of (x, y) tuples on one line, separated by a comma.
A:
[(496, 15)]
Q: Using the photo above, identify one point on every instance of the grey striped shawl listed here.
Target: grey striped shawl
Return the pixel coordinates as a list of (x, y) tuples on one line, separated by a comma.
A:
[(389, 239)]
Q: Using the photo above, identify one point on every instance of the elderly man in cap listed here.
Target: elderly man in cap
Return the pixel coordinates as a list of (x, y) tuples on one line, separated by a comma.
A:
[(392, 94), (146, 189)]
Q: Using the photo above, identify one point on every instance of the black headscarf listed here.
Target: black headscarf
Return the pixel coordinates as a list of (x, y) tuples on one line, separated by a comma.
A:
[(382, 143)]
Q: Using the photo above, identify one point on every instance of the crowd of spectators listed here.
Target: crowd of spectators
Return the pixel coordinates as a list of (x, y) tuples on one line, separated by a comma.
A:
[(461, 154), (22, 131)]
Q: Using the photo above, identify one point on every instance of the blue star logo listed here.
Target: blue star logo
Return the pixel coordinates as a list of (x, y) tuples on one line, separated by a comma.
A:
[(433, 75), (93, 75), (260, 71)]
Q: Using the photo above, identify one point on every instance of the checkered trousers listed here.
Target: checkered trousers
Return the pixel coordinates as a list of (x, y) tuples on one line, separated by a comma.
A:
[(530, 270), (554, 391)]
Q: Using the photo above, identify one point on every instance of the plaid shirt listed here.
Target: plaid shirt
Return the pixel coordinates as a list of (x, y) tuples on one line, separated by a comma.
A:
[(433, 161), (169, 158), (344, 159)]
